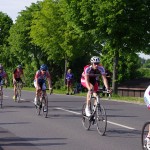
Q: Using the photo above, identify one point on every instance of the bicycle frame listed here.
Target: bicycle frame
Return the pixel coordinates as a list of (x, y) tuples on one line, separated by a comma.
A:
[(1, 96), (19, 86), (42, 104)]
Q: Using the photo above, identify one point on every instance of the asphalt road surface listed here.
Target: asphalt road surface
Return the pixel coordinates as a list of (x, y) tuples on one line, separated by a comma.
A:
[(22, 129)]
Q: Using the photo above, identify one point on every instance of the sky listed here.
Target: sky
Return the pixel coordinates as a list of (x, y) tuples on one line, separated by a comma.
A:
[(12, 7)]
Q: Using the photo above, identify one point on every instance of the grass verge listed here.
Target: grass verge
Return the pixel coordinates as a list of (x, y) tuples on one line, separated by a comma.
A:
[(139, 100)]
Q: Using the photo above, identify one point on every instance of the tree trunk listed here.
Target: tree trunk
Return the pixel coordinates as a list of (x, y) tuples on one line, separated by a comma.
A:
[(66, 62), (115, 73)]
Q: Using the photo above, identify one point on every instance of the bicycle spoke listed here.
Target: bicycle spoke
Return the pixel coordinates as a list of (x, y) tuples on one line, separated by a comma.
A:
[(85, 120), (101, 120), (144, 134), (38, 107), (45, 107)]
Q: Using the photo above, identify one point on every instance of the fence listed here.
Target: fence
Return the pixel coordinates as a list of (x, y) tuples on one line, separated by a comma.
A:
[(133, 92)]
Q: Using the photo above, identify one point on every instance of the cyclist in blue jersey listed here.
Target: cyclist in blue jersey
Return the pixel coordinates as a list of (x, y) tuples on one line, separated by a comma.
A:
[(40, 81)]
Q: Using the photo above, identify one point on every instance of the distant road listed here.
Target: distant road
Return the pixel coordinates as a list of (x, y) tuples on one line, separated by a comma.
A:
[(22, 129)]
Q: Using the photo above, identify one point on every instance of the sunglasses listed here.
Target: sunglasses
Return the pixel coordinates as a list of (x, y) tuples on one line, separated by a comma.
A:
[(43, 70), (96, 63)]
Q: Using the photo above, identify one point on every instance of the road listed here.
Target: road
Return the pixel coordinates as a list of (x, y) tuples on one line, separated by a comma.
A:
[(22, 129)]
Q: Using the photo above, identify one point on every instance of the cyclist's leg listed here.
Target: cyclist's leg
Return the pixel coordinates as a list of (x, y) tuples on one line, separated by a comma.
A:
[(37, 93), (15, 89), (87, 108), (95, 92)]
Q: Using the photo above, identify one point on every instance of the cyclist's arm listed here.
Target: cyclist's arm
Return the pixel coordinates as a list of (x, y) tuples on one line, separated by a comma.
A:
[(6, 79), (23, 77), (49, 82), (14, 80), (105, 81)]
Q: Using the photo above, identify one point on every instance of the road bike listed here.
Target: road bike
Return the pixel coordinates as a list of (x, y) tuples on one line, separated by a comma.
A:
[(19, 86), (145, 131), (42, 103), (1, 95), (97, 117)]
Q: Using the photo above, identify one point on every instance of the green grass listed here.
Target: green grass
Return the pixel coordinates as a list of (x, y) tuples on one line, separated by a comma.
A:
[(114, 97)]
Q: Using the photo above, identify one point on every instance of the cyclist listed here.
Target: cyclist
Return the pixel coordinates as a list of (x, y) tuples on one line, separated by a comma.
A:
[(18, 75), (147, 102), (3, 76), (40, 81), (89, 80), (69, 81)]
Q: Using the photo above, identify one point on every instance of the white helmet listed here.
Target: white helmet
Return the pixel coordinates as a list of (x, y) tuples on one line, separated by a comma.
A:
[(95, 59)]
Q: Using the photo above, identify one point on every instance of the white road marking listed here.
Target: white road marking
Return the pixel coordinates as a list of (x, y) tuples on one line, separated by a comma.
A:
[(6, 96), (113, 123), (77, 113), (73, 112)]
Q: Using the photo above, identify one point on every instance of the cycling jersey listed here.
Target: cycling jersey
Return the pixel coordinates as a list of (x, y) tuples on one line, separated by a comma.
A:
[(18, 73), (93, 75), (39, 75), (41, 78), (2, 76)]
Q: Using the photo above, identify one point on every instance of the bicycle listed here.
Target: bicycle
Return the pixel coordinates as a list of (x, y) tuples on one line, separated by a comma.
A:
[(19, 86), (42, 103), (145, 131), (1, 95), (97, 117)]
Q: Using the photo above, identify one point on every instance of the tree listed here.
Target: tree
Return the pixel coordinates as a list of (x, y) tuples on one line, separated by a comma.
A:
[(5, 25), (122, 27)]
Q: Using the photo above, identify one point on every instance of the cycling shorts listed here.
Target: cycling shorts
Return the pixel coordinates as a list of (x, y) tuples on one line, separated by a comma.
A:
[(95, 84), (41, 83)]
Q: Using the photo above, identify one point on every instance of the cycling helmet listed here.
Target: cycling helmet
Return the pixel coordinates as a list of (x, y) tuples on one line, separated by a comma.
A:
[(19, 66), (43, 67), (95, 59)]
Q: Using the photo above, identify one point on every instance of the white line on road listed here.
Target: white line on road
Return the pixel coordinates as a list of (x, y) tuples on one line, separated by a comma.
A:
[(117, 124), (68, 111)]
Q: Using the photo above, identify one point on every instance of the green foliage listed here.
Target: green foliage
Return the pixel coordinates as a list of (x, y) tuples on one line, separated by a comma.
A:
[(53, 32), (144, 72), (146, 64)]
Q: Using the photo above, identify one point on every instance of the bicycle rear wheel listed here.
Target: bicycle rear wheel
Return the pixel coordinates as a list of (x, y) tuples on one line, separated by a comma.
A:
[(144, 133), (45, 107), (101, 120), (85, 120)]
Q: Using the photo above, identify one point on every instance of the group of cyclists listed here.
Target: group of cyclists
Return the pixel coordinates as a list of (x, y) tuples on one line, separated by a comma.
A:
[(90, 74), (89, 79)]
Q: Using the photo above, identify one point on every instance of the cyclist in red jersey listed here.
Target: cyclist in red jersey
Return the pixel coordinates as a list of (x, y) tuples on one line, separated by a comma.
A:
[(40, 81), (89, 80), (18, 75)]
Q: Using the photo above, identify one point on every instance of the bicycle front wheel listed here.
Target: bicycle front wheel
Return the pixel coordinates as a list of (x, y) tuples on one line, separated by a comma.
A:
[(1, 99), (145, 131), (18, 95), (85, 120), (101, 120), (38, 107), (45, 107)]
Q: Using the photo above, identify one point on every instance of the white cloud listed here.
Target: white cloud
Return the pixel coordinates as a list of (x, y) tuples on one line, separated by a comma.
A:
[(142, 55), (12, 7)]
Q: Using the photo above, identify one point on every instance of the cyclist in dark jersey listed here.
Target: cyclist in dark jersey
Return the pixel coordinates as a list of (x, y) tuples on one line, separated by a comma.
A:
[(89, 79), (17, 77)]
